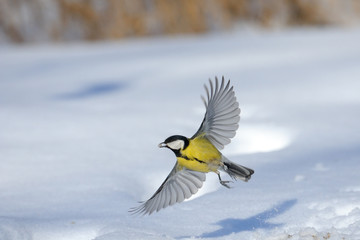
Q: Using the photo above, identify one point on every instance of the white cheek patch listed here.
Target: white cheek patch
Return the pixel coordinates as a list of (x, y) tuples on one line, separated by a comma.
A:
[(176, 145)]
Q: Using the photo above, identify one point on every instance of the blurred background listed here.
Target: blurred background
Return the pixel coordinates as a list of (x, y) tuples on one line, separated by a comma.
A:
[(29, 21)]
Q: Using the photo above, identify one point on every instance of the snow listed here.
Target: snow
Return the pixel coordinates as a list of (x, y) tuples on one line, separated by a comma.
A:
[(80, 125)]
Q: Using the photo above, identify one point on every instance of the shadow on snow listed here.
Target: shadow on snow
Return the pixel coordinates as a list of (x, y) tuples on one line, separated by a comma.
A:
[(259, 221), (93, 90)]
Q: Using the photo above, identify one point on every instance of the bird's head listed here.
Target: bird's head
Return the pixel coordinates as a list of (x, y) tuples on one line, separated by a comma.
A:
[(175, 143)]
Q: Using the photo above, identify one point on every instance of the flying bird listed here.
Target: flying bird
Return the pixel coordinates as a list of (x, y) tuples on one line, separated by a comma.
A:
[(200, 154)]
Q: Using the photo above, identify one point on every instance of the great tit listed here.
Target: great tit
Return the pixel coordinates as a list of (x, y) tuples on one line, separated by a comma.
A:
[(199, 154)]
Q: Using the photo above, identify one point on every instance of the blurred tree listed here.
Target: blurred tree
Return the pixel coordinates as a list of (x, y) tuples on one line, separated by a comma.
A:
[(64, 20)]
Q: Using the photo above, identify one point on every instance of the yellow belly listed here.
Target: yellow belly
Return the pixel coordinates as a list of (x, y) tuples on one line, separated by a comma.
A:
[(200, 156)]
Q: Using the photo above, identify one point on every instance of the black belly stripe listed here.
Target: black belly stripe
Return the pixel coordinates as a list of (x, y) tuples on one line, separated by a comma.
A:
[(199, 160), (191, 159)]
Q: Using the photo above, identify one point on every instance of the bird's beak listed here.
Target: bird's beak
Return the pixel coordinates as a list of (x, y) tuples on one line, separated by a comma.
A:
[(161, 145)]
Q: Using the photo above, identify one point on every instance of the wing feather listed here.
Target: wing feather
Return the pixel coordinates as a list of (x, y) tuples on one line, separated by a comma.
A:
[(185, 189), (180, 196), (189, 183), (167, 198), (222, 114), (179, 185), (173, 194), (161, 202)]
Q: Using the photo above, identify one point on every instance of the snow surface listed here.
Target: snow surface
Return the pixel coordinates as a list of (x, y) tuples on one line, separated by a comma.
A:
[(80, 126)]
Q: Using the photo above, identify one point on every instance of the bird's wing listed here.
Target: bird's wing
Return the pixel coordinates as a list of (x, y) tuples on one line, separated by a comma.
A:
[(222, 114), (179, 185)]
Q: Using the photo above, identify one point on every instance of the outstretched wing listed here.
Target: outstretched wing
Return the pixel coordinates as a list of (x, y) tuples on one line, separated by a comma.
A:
[(179, 185), (222, 114)]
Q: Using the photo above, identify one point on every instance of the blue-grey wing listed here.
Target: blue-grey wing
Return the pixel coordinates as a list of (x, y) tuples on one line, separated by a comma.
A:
[(222, 114), (179, 185)]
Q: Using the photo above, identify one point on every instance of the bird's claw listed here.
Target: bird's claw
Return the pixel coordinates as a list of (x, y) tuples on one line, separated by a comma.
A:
[(224, 183)]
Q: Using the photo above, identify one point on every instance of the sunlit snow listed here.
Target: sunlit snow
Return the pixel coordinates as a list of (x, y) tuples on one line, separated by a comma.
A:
[(80, 125)]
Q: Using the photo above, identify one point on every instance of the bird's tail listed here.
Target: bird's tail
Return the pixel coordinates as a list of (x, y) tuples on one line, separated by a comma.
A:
[(237, 171)]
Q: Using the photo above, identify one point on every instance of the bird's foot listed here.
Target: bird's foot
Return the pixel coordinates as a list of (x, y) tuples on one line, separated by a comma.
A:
[(224, 183)]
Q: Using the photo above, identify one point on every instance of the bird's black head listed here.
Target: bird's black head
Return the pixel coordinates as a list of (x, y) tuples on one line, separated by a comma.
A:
[(175, 143)]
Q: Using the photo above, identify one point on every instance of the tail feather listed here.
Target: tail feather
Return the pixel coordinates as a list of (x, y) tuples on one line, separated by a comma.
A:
[(237, 171)]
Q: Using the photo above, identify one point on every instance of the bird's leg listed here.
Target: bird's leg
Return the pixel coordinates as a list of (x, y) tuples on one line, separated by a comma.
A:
[(224, 183)]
